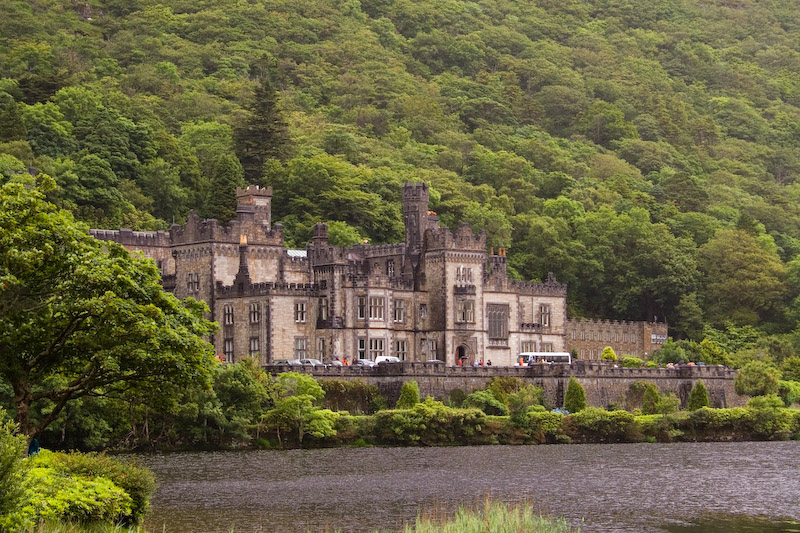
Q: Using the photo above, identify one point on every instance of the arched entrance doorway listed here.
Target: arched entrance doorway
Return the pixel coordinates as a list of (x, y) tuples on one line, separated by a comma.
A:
[(463, 354)]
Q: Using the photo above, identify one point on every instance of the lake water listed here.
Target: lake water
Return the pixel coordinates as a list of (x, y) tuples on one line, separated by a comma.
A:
[(682, 487)]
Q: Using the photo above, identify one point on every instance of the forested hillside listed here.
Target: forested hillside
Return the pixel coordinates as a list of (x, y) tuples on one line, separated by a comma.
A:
[(646, 152)]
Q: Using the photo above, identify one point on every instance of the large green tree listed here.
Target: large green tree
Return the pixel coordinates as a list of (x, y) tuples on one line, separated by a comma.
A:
[(82, 317)]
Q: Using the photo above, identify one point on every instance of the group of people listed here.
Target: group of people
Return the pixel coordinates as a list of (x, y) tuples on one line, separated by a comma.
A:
[(476, 363)]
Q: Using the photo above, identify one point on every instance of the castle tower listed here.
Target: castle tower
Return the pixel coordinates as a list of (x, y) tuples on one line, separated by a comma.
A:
[(415, 215), (255, 201)]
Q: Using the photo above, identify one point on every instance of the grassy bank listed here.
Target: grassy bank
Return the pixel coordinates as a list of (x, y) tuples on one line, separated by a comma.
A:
[(493, 517)]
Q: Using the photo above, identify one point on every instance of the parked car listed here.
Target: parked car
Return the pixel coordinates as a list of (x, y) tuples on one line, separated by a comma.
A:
[(312, 362), (364, 362), (386, 359), (287, 362), (333, 362)]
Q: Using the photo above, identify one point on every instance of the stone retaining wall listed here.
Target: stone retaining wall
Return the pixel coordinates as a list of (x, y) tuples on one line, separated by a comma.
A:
[(604, 384)]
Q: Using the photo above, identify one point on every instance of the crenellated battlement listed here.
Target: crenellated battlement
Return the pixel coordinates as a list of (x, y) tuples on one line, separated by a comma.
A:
[(267, 289), (128, 237), (463, 239), (210, 230)]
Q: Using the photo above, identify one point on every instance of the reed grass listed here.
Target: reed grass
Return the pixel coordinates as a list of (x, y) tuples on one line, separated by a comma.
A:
[(69, 527), (494, 517)]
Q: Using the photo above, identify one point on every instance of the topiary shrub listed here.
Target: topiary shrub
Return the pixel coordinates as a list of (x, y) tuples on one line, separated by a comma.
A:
[(575, 397), (409, 395), (608, 354), (486, 402), (698, 397), (650, 399)]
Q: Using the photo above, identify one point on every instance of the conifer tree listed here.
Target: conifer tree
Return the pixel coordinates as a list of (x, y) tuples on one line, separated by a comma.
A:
[(575, 397), (263, 135), (698, 397), (650, 400), (409, 395), (221, 196)]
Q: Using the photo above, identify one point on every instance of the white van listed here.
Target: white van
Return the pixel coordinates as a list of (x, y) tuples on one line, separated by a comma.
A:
[(531, 358)]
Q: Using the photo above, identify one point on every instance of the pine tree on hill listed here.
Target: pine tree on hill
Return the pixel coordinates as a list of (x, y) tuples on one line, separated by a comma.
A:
[(263, 135), (221, 196)]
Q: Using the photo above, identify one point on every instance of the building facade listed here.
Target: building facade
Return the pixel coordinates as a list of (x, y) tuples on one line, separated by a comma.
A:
[(438, 295), (587, 338)]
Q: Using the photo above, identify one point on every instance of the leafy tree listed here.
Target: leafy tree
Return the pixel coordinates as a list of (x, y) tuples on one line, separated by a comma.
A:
[(296, 410), (575, 397), (409, 395), (790, 368), (486, 402), (83, 317), (757, 378), (264, 134), (698, 397)]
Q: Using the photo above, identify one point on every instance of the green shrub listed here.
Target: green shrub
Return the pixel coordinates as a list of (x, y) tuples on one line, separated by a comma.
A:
[(501, 387), (541, 426), (789, 391), (698, 397), (715, 424), (770, 420), (12, 466), (528, 396), (457, 397), (139, 483), (650, 399), (575, 397), (630, 361), (53, 493), (486, 402), (430, 423), (352, 396), (757, 378), (651, 364), (608, 354), (598, 425), (409, 395)]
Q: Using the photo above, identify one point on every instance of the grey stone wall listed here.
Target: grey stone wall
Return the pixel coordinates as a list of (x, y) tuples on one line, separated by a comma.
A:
[(604, 384)]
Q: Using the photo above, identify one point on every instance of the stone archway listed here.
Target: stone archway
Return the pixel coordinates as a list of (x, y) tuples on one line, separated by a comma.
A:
[(464, 354)]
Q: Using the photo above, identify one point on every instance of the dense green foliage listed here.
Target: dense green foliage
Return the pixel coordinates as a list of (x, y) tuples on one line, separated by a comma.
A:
[(575, 397), (698, 397), (85, 318), (647, 156), (409, 395), (75, 488)]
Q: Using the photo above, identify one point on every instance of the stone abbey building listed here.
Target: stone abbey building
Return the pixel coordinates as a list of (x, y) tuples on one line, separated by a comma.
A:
[(438, 295)]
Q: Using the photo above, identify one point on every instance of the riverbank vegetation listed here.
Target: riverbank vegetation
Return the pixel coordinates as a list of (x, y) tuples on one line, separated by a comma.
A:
[(493, 517), (49, 491)]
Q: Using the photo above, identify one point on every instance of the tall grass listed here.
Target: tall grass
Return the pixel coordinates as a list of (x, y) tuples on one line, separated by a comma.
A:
[(68, 527), (495, 517)]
